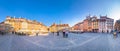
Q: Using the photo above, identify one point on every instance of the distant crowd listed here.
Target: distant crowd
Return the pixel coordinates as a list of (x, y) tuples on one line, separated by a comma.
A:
[(64, 34)]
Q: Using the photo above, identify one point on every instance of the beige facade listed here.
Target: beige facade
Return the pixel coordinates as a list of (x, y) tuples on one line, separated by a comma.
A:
[(95, 25), (5, 28), (26, 26), (58, 27)]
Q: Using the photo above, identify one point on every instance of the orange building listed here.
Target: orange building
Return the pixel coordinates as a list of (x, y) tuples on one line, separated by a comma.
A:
[(87, 25), (79, 27)]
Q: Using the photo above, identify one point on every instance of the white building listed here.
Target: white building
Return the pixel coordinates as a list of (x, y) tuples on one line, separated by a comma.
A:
[(105, 24)]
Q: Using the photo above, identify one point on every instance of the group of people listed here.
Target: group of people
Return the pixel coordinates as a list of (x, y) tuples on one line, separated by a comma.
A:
[(2, 33), (64, 33)]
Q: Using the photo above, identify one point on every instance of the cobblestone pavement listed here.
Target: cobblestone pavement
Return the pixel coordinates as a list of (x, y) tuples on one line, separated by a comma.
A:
[(74, 42)]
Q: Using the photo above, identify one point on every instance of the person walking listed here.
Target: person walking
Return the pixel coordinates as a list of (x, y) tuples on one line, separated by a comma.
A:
[(37, 34), (66, 34), (63, 34), (115, 34), (57, 33), (53, 33)]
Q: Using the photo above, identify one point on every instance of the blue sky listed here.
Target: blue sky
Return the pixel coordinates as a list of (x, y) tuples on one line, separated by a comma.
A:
[(56, 11)]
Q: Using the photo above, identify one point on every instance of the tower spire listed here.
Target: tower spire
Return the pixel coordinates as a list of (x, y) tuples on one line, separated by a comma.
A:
[(14, 17)]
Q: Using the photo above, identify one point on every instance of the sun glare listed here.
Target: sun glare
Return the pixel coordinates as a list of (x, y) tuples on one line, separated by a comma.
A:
[(115, 12)]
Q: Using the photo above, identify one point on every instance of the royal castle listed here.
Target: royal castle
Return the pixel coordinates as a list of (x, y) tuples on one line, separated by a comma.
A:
[(26, 26)]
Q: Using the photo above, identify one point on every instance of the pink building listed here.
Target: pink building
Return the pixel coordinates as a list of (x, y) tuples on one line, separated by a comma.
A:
[(93, 24)]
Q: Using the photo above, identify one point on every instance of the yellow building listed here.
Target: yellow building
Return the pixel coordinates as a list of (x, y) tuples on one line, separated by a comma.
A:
[(95, 25), (26, 26), (57, 27)]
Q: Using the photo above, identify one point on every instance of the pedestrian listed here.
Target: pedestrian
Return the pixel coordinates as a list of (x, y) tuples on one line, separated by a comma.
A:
[(57, 33), (53, 33), (115, 34), (2, 33), (66, 34), (36, 34), (12, 32), (63, 34)]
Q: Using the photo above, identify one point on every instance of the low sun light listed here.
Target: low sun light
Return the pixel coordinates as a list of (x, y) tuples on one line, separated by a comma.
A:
[(115, 12)]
